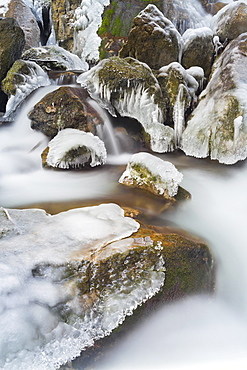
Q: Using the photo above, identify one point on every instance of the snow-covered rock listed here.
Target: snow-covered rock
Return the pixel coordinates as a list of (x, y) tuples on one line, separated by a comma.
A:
[(54, 57), (72, 148), (218, 125), (230, 21), (197, 43), (130, 88), (22, 78), (153, 39), (151, 173)]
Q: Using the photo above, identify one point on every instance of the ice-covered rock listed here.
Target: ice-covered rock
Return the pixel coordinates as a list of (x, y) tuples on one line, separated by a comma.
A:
[(197, 43), (179, 90), (230, 21), (69, 279), (53, 57), (218, 125), (66, 107), (145, 171), (153, 39), (130, 88), (22, 78), (72, 148)]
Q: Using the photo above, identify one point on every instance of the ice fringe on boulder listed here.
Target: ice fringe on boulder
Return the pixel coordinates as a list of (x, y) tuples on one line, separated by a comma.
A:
[(72, 148), (152, 172), (29, 83)]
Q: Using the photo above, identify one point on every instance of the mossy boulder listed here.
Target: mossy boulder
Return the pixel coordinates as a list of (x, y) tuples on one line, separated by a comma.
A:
[(18, 10), (153, 39), (230, 21), (198, 42), (12, 42), (221, 130), (66, 107)]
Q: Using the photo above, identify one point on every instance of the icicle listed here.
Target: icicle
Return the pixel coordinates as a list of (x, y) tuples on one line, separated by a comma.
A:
[(178, 115)]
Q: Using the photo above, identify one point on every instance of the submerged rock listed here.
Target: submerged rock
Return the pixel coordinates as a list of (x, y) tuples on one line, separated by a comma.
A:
[(153, 39), (72, 148), (66, 107), (12, 42), (145, 171), (217, 126), (129, 87), (18, 10), (197, 43), (22, 78), (53, 58), (230, 21)]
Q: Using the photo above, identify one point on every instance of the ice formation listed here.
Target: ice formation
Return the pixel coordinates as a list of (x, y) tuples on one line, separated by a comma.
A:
[(221, 130), (30, 82), (47, 316), (4, 5), (190, 34), (85, 22), (72, 148), (152, 172), (134, 100)]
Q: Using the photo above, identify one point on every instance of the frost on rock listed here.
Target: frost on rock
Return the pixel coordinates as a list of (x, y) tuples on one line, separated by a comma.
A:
[(85, 22), (148, 172), (54, 57), (218, 125), (69, 279), (4, 6), (23, 78), (72, 148), (130, 88)]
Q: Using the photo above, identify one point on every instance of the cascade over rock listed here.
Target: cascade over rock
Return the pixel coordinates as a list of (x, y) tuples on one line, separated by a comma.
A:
[(218, 125), (230, 21), (53, 57), (18, 10), (130, 88), (12, 42), (198, 42), (153, 39), (66, 107)]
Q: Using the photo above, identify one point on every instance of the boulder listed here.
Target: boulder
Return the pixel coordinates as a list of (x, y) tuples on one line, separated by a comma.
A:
[(66, 107), (18, 10), (12, 42), (129, 87), (198, 42), (153, 39), (217, 127), (22, 78), (72, 148), (230, 21), (145, 171), (53, 58)]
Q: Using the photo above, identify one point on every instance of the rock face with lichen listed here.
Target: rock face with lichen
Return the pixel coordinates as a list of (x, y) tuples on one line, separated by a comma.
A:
[(153, 39), (217, 127), (18, 10), (230, 21), (66, 107), (12, 42)]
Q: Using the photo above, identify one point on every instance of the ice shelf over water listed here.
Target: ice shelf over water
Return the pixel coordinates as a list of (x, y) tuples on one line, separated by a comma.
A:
[(47, 315)]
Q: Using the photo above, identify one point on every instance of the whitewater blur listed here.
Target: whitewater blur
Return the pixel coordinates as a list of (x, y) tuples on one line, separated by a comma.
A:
[(201, 331)]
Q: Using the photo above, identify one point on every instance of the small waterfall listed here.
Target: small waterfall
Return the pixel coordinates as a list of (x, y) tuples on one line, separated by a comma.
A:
[(106, 132)]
